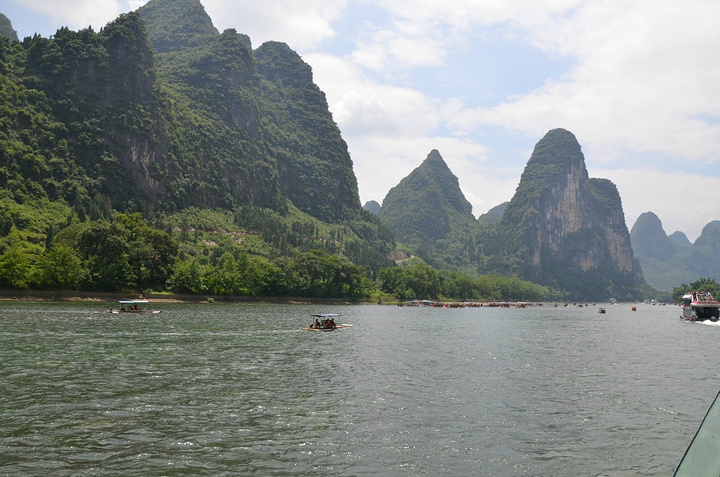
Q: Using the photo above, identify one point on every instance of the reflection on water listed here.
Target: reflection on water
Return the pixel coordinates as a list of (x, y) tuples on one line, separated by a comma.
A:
[(241, 390)]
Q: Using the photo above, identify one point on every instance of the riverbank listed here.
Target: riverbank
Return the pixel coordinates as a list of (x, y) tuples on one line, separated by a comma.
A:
[(47, 295)]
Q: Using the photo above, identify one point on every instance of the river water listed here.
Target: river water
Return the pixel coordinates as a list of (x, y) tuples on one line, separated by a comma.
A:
[(229, 389)]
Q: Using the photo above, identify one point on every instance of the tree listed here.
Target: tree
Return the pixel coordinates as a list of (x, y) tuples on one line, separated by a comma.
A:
[(105, 249), (703, 284), (17, 265), (59, 268), (188, 277)]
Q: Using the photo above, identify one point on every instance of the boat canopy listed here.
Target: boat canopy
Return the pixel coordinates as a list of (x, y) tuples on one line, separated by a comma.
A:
[(131, 302), (325, 315)]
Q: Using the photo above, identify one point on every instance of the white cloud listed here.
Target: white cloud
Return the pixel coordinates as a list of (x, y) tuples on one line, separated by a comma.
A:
[(77, 14), (302, 25), (643, 81), (665, 194)]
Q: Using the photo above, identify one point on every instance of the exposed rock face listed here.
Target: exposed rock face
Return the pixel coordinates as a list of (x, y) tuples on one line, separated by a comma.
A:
[(569, 228)]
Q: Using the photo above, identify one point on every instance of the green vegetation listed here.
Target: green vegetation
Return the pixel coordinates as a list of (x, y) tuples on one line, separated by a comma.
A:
[(158, 154), (703, 284), (420, 281), (428, 212), (246, 252)]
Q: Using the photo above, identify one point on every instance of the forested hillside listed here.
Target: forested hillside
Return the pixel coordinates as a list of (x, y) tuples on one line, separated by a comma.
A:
[(428, 212), (160, 123)]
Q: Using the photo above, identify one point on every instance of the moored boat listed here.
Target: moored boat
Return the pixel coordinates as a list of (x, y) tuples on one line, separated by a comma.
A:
[(134, 306), (700, 306)]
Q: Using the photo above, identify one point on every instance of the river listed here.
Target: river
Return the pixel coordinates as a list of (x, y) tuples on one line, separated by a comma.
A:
[(238, 389)]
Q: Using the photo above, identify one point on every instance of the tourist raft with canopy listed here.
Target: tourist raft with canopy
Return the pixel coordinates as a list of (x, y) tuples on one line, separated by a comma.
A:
[(325, 322), (134, 306)]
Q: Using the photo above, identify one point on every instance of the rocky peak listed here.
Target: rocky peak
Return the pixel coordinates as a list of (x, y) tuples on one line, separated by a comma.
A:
[(680, 239), (6, 28), (175, 25), (427, 208), (570, 225), (649, 239), (277, 62)]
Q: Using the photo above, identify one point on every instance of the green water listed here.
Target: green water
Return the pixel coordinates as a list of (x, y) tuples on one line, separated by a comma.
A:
[(241, 390)]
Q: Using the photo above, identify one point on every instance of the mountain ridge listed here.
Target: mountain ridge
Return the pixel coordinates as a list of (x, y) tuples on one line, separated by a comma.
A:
[(668, 261)]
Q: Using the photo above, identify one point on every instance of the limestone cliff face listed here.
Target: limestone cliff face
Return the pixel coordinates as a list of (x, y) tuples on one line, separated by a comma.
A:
[(571, 228)]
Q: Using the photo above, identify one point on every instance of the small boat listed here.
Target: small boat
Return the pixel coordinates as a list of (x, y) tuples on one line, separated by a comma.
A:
[(134, 306), (602, 310), (325, 322), (700, 306)]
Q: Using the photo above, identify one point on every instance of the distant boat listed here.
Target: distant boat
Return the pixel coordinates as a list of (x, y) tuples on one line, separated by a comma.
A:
[(602, 310), (700, 306), (134, 306)]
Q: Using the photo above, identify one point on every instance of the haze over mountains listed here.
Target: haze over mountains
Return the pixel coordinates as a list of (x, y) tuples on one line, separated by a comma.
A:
[(668, 261)]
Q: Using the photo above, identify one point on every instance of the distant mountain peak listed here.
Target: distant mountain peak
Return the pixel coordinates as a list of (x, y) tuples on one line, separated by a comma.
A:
[(649, 238), (177, 24), (435, 159), (680, 239), (558, 147), (427, 207), (6, 28), (277, 62), (373, 207)]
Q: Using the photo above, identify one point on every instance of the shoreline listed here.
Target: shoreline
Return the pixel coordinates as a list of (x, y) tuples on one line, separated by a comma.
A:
[(45, 295)]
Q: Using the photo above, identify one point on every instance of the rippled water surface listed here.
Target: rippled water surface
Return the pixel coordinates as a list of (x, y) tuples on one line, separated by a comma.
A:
[(221, 389)]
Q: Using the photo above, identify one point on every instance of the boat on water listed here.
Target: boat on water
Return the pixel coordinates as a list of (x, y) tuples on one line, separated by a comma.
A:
[(700, 306), (325, 322), (601, 310), (134, 306)]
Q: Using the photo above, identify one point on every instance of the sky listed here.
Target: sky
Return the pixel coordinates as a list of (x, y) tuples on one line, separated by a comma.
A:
[(482, 81)]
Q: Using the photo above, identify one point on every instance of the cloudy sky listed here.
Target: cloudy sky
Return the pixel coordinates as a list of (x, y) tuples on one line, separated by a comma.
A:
[(638, 83)]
